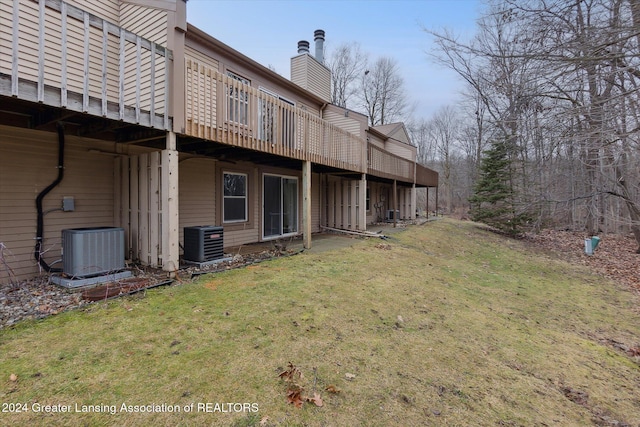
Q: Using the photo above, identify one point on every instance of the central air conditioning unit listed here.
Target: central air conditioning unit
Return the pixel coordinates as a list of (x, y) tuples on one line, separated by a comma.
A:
[(203, 243), (390, 216), (93, 251)]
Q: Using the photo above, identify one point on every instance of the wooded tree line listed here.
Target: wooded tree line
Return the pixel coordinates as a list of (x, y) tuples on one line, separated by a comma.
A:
[(551, 86), (547, 134)]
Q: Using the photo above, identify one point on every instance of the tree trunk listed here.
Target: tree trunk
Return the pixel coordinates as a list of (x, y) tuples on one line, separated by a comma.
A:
[(634, 209)]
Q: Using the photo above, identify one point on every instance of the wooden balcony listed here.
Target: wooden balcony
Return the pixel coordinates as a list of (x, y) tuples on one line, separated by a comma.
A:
[(390, 166), (59, 55), (426, 177), (222, 109)]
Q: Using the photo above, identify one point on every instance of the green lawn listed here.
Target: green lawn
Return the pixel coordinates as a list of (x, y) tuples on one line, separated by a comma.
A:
[(443, 324)]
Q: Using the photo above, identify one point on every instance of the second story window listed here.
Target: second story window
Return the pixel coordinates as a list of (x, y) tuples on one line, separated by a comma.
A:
[(268, 121), (238, 108)]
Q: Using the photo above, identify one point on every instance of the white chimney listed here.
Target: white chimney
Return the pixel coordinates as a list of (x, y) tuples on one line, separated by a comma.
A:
[(318, 37)]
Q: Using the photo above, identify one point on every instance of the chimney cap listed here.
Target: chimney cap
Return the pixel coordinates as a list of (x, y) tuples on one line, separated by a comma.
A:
[(303, 46), (318, 37)]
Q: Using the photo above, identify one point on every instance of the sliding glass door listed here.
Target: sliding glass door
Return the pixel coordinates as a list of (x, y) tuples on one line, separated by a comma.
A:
[(280, 205)]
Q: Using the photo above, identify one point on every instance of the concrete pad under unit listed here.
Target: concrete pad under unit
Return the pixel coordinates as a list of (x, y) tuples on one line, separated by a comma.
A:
[(89, 281), (207, 263)]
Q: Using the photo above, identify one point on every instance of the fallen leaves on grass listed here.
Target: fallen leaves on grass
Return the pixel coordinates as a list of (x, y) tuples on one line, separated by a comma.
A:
[(316, 399), (291, 373), (332, 389), (615, 256), (294, 396), (631, 351), (296, 393), (576, 396)]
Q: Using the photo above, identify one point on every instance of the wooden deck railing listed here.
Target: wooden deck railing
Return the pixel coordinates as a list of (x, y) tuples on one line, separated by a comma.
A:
[(60, 55), (223, 109), (426, 177), (388, 165)]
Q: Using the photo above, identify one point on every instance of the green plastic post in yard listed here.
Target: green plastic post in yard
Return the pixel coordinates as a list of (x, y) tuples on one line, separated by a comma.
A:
[(591, 244)]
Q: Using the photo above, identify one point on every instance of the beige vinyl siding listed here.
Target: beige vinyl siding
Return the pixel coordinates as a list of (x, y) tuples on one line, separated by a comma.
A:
[(28, 161), (308, 73), (200, 200), (75, 58), (312, 109), (241, 233), (374, 140), (6, 35), (105, 9), (197, 193), (338, 117), (28, 48), (401, 135), (205, 93), (150, 24), (196, 55), (250, 232), (400, 149)]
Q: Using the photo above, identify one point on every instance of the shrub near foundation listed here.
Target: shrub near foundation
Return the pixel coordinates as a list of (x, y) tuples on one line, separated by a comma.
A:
[(448, 325)]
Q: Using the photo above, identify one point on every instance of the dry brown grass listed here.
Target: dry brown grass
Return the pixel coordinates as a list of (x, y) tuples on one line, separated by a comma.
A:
[(448, 325)]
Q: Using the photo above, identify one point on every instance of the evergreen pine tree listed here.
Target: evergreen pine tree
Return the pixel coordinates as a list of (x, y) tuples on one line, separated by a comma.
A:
[(493, 202)]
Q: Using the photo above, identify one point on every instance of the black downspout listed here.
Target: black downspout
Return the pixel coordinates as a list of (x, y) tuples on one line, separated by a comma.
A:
[(40, 228)]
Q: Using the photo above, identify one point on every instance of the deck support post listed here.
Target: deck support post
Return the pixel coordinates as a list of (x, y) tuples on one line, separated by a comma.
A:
[(427, 202), (362, 203), (306, 204), (395, 203), (414, 203), (170, 206)]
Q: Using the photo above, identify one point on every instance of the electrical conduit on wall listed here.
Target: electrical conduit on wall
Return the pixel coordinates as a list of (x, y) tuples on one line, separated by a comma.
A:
[(40, 198)]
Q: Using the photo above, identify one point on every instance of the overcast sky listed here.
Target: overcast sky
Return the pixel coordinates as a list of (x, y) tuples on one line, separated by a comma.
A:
[(268, 32)]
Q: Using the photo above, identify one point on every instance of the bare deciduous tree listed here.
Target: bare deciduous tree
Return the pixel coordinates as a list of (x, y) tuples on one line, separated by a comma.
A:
[(443, 130), (347, 63), (383, 95), (560, 80)]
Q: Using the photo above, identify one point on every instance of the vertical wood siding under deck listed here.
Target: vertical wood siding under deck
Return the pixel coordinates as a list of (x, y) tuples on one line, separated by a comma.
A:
[(223, 109), (141, 207), (63, 56)]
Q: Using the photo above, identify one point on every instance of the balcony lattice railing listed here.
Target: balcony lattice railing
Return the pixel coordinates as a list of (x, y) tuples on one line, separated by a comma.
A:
[(226, 110), (60, 55), (388, 165), (426, 177)]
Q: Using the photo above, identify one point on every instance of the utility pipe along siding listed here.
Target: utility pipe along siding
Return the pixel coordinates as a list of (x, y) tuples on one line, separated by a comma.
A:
[(40, 198)]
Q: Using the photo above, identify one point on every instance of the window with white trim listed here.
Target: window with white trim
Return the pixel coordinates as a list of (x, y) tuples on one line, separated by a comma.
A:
[(280, 205), (234, 197), (238, 108)]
